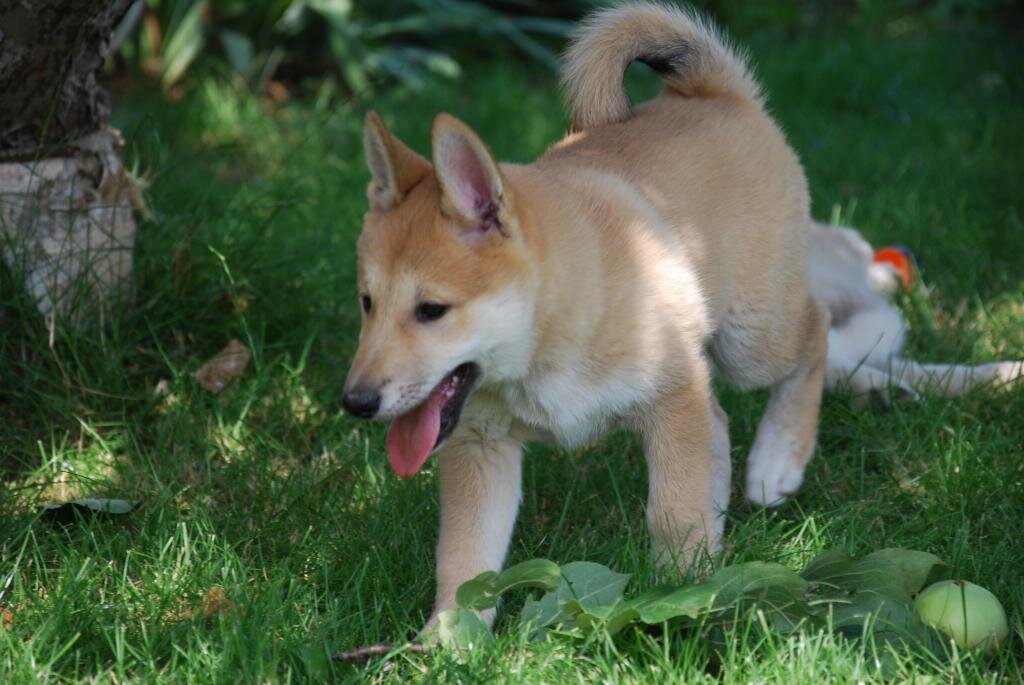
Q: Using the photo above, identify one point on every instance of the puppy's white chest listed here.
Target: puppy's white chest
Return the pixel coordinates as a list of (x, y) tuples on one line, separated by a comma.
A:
[(573, 406)]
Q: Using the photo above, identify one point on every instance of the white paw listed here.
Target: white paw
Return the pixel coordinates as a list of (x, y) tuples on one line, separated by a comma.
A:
[(429, 633), (1004, 373), (771, 480)]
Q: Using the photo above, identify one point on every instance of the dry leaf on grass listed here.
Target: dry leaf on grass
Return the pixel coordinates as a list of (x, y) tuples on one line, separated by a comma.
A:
[(6, 618), (224, 367), (216, 602)]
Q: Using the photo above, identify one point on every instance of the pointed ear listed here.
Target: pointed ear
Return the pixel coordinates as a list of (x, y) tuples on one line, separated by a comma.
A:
[(471, 184), (394, 168)]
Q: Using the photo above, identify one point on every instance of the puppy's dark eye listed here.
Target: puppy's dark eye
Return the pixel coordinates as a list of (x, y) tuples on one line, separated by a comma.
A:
[(430, 311), (367, 303)]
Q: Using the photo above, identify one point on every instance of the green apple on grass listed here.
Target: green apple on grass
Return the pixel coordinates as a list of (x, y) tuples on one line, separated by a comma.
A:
[(968, 613)]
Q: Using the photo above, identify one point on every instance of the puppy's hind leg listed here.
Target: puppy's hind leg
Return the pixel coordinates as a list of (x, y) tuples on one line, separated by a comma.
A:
[(788, 430)]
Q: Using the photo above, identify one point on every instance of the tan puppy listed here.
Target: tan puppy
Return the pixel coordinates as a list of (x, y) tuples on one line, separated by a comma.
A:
[(865, 340), (594, 288)]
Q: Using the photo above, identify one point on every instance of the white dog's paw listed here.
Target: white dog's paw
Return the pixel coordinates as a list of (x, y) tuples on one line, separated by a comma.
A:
[(771, 480), (430, 635), (1004, 373)]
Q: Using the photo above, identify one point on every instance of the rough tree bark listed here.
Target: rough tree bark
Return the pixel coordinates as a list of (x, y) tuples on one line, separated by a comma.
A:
[(66, 219)]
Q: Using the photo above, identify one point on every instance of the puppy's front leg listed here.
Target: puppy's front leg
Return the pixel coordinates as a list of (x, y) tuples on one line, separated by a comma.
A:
[(680, 505), (480, 491)]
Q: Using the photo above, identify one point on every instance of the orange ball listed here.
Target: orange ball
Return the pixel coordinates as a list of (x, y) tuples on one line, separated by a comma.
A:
[(900, 258)]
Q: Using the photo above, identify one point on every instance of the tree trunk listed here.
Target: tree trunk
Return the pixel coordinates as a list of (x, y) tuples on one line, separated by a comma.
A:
[(66, 219)]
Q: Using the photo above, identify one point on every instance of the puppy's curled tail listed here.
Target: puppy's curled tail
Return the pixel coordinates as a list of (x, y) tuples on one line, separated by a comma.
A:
[(686, 51)]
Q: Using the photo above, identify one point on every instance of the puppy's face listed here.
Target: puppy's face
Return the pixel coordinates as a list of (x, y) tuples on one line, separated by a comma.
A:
[(441, 285)]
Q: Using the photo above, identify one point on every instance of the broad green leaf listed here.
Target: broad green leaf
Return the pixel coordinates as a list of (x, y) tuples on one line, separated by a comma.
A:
[(853, 575), (608, 617), (539, 573), (916, 569), (733, 581), (477, 593), (620, 617), (826, 565), (893, 573), (541, 614), (482, 592), (592, 584), (867, 598), (882, 621), (463, 629), (785, 608), (721, 591), (870, 598), (583, 583), (615, 617), (685, 601), (652, 595)]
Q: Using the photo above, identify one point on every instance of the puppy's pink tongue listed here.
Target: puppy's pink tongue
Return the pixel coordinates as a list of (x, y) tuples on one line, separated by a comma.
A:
[(412, 435)]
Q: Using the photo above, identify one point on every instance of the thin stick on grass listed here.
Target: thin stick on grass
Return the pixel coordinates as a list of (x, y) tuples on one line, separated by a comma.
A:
[(361, 654)]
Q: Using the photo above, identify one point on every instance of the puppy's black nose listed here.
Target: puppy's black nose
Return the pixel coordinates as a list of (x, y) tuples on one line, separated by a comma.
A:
[(361, 402)]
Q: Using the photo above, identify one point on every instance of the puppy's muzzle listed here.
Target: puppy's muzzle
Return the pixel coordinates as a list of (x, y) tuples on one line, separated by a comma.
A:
[(362, 403)]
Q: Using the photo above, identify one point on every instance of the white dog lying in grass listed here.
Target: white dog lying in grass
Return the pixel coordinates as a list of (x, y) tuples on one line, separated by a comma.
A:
[(867, 331)]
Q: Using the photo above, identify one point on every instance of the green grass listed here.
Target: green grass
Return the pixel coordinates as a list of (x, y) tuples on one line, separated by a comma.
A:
[(270, 493)]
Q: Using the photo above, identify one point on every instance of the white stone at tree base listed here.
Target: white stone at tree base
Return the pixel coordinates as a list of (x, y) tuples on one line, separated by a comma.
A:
[(67, 225)]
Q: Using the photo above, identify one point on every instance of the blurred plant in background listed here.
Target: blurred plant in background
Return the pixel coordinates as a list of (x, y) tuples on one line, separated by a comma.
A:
[(329, 48), (337, 46)]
